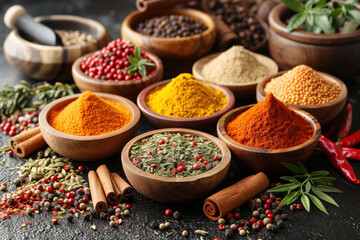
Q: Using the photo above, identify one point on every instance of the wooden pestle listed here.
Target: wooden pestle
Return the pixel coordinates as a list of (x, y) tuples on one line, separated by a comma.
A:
[(17, 18), (146, 5)]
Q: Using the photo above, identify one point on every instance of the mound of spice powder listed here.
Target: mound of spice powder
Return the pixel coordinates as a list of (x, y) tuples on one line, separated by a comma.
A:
[(89, 115), (185, 97), (270, 125), (235, 66), (302, 85), (175, 155)]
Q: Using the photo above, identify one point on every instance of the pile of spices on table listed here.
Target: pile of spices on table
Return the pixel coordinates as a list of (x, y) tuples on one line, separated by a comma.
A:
[(185, 97), (173, 26), (53, 184), (235, 66), (270, 125), (73, 38), (175, 155), (302, 85), (119, 61), (244, 24), (89, 115)]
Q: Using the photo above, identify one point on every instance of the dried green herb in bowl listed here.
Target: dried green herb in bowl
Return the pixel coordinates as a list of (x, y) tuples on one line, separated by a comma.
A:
[(175, 155)]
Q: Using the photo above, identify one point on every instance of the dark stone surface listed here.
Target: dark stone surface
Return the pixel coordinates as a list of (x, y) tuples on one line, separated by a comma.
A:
[(342, 223)]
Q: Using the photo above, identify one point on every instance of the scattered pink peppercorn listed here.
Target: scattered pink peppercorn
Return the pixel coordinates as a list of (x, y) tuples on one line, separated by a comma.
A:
[(53, 178), (128, 206), (253, 220), (161, 142), (168, 212), (196, 166), (221, 227), (193, 144), (50, 189), (66, 167), (11, 153), (299, 206), (216, 158), (85, 198), (267, 206), (237, 215), (229, 216), (205, 162), (175, 170), (269, 201), (81, 168)]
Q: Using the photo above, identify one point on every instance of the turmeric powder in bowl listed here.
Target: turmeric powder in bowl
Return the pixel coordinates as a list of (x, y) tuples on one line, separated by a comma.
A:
[(89, 115), (185, 97)]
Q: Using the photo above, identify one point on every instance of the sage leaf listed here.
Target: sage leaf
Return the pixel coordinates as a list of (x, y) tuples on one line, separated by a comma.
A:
[(307, 187), (137, 52), (328, 189), (319, 173), (324, 24), (294, 5), (286, 178), (296, 21), (306, 202), (284, 187), (324, 196), (292, 167), (288, 198), (302, 168), (318, 203)]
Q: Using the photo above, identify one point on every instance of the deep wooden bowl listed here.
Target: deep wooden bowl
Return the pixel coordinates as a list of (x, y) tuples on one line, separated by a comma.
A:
[(88, 148), (172, 48), (337, 54), (324, 113), (268, 160), (175, 190), (128, 89), (161, 121), (53, 62), (240, 90)]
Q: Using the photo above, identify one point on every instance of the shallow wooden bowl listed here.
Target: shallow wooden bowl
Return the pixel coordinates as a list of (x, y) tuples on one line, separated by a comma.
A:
[(175, 190), (161, 121), (240, 90), (88, 148), (172, 48), (53, 62), (268, 160), (128, 89), (324, 113)]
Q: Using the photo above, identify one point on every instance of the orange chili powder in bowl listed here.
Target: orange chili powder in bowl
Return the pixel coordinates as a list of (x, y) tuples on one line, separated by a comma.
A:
[(270, 125), (89, 115)]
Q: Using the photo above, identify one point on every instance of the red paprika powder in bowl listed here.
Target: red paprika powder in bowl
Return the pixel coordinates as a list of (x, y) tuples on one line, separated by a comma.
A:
[(267, 133)]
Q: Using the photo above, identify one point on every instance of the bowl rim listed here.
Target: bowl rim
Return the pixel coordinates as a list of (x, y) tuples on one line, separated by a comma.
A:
[(221, 130), (44, 124), (146, 110), (276, 24), (210, 24), (76, 71), (214, 55), (343, 90), (224, 163), (68, 18)]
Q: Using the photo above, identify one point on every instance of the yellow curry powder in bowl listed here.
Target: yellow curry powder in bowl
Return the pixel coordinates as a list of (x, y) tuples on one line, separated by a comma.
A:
[(185, 97), (89, 115)]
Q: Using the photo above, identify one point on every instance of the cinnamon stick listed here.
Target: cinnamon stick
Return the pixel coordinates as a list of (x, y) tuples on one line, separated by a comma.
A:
[(225, 37), (222, 202), (106, 182), (117, 189), (147, 5), (124, 187), (97, 192), (13, 141), (31, 144)]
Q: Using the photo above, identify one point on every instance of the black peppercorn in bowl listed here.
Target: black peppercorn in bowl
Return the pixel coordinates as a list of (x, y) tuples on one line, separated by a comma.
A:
[(183, 47), (172, 189)]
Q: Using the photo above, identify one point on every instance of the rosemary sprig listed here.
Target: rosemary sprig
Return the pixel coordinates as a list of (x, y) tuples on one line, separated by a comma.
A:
[(307, 186), (138, 64)]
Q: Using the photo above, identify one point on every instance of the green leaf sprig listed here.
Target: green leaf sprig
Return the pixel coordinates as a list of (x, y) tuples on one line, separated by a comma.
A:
[(138, 64), (308, 186), (324, 16)]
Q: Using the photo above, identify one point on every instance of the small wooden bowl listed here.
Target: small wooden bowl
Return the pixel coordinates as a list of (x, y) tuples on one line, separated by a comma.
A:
[(53, 62), (240, 90), (88, 148), (172, 48), (175, 190), (128, 89), (324, 113), (268, 160), (161, 121)]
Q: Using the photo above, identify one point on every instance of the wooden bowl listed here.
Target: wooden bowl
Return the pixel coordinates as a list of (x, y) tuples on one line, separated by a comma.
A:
[(268, 160), (175, 190), (172, 48), (161, 121), (324, 113), (240, 90), (337, 54), (53, 62), (88, 148), (128, 89)]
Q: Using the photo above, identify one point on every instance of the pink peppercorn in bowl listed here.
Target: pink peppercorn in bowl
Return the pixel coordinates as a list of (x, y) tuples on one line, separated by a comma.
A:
[(123, 85)]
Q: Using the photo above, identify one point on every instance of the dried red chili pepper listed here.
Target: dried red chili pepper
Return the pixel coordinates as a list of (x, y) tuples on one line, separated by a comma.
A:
[(331, 130), (351, 153), (337, 159), (351, 140), (346, 123)]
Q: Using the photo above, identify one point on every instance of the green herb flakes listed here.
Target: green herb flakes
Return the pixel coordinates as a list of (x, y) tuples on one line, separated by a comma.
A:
[(175, 155)]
